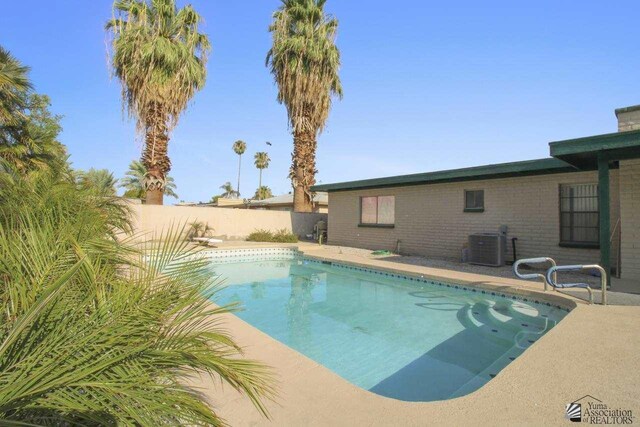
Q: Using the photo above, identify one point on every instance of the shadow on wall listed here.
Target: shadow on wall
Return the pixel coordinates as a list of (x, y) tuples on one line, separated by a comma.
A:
[(302, 223)]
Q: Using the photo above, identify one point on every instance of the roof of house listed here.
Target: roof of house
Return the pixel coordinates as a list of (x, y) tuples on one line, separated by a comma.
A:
[(321, 198), (584, 152), (501, 170), (567, 156)]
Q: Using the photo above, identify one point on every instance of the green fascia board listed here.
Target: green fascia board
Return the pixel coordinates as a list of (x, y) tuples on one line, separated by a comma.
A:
[(593, 144), (502, 170)]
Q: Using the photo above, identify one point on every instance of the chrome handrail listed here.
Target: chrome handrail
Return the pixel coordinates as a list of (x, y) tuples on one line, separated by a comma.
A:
[(540, 260), (603, 279)]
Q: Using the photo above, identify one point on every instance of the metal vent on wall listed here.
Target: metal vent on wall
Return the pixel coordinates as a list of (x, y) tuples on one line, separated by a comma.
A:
[(487, 249)]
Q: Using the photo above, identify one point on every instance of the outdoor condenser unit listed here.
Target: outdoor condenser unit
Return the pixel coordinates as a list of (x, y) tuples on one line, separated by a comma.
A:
[(487, 249)]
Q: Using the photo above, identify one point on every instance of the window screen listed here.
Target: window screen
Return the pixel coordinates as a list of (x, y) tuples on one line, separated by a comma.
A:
[(378, 210), (579, 216), (474, 200)]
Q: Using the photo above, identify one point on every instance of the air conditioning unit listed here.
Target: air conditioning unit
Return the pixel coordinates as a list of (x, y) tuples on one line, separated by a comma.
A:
[(487, 249)]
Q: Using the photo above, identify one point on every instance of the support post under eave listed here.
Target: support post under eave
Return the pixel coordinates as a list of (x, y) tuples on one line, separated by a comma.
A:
[(605, 214)]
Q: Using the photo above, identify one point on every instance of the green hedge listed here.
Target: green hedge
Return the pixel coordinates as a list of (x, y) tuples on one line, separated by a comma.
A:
[(280, 236)]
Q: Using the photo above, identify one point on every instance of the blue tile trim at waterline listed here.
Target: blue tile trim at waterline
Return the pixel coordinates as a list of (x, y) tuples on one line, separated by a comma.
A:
[(264, 254), (436, 283)]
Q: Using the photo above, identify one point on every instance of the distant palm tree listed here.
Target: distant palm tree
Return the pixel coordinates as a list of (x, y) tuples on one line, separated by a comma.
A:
[(304, 61), (263, 192), (160, 59), (239, 147), (262, 162), (99, 180), (133, 182), (229, 192)]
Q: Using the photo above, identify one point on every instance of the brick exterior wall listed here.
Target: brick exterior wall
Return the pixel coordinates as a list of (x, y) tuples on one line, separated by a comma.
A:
[(630, 218), (628, 119), (429, 219)]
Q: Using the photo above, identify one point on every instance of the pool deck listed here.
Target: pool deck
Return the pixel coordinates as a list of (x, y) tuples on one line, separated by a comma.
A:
[(595, 350)]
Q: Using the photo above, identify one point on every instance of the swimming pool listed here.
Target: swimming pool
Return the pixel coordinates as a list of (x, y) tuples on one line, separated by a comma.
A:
[(401, 337)]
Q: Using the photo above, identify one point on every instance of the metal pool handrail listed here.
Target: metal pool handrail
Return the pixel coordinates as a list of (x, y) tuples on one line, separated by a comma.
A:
[(540, 260), (603, 279)]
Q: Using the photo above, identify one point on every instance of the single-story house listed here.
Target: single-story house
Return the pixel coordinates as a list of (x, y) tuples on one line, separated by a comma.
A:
[(285, 203), (579, 206)]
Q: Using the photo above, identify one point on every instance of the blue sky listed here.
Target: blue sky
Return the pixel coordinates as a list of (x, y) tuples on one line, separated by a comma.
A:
[(428, 85)]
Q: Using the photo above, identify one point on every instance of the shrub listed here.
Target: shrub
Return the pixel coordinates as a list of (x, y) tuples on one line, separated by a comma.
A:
[(280, 236), (199, 229), (260, 236), (284, 236), (94, 333)]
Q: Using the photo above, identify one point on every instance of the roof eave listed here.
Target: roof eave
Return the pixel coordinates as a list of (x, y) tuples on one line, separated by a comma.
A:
[(504, 170)]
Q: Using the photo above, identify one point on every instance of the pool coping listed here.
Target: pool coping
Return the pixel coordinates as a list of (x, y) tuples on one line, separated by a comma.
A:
[(531, 390)]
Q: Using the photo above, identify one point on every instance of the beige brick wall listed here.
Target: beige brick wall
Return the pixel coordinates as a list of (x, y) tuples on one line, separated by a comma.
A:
[(630, 218), (629, 120), (430, 220)]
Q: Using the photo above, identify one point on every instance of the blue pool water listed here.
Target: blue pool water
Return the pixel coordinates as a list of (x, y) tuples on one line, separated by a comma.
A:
[(396, 337)]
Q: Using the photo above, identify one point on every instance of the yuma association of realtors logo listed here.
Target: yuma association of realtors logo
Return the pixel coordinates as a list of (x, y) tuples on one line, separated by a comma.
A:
[(591, 410)]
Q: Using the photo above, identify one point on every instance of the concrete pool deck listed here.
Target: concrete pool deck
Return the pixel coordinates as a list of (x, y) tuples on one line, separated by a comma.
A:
[(594, 351)]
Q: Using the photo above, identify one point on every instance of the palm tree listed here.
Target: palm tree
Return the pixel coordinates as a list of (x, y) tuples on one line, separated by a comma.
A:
[(304, 61), (263, 192), (28, 130), (93, 330), (160, 59), (239, 147), (133, 182), (261, 160), (99, 180), (229, 192), (13, 83)]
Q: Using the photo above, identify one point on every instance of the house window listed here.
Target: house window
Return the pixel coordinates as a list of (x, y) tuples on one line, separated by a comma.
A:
[(579, 216), (474, 200), (378, 211)]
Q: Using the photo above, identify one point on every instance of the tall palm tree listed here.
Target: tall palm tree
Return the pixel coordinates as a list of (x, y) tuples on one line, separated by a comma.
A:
[(229, 192), (133, 182), (304, 61), (160, 59), (261, 160), (239, 147)]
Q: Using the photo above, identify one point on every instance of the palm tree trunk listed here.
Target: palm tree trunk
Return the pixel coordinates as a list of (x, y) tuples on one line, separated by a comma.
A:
[(260, 186), (303, 170), (239, 167), (155, 157)]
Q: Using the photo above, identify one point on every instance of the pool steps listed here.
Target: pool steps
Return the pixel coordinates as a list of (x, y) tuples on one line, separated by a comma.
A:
[(501, 329)]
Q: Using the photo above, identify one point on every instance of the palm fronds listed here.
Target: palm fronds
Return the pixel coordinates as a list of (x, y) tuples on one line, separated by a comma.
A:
[(13, 83), (159, 56), (96, 332), (98, 180), (133, 182), (304, 61)]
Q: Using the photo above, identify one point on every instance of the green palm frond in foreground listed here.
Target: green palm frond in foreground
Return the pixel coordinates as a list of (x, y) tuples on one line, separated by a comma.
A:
[(94, 333)]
